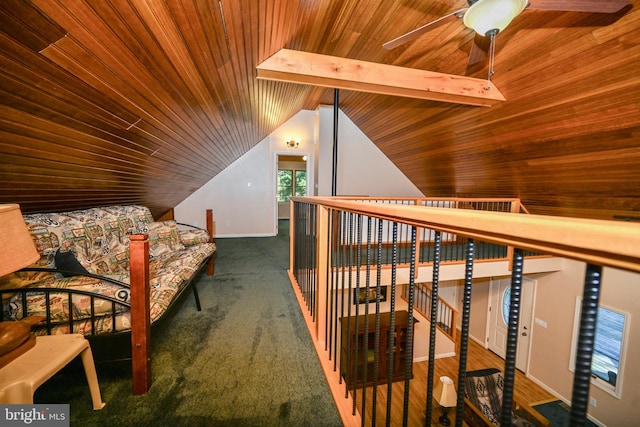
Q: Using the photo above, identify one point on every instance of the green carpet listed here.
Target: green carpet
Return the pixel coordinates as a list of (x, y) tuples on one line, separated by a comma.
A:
[(558, 412), (245, 360)]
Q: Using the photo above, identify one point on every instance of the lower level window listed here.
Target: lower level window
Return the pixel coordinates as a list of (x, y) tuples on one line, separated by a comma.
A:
[(609, 347)]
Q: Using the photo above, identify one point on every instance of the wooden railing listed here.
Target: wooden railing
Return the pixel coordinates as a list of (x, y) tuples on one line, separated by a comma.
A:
[(447, 316), (453, 245), (512, 205), (336, 255)]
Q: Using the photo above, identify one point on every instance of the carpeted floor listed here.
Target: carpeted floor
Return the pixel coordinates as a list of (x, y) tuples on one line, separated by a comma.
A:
[(245, 360)]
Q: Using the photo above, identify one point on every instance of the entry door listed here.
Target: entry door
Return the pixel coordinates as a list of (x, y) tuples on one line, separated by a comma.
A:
[(500, 294)]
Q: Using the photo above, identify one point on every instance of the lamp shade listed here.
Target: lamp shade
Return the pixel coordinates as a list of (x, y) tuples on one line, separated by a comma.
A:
[(486, 16), (445, 393), (17, 249)]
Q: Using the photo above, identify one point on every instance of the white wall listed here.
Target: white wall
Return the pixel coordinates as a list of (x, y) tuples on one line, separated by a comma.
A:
[(239, 197), (363, 170), (243, 196)]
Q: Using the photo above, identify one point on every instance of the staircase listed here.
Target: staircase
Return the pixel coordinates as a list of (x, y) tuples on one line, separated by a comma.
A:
[(446, 321), (446, 315)]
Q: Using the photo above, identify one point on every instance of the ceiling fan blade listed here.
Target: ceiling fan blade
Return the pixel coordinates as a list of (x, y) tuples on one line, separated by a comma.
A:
[(595, 6), (479, 50), (392, 44)]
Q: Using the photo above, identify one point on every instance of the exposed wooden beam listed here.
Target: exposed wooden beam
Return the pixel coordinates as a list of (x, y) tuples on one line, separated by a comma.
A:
[(294, 66)]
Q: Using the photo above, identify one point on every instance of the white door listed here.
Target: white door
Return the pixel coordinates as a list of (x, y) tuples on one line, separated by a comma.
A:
[(500, 291)]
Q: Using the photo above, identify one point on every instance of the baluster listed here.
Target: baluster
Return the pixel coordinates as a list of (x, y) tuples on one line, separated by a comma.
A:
[(432, 328), (366, 314), (376, 335), (409, 339), (392, 320), (464, 334), (586, 344), (512, 336)]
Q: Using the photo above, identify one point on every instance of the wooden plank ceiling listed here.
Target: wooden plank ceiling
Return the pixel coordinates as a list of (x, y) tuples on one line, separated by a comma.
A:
[(143, 101)]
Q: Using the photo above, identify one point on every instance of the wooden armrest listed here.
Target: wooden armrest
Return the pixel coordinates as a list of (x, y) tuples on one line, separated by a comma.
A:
[(473, 416), (528, 413)]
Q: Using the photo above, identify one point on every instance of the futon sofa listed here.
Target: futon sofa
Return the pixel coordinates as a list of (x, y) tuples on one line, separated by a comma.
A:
[(82, 282), (483, 402)]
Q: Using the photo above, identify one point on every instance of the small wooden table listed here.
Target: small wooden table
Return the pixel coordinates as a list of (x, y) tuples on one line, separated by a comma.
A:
[(22, 376)]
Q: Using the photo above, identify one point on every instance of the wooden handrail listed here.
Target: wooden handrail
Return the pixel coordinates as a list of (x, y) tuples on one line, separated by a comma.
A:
[(418, 200), (606, 243)]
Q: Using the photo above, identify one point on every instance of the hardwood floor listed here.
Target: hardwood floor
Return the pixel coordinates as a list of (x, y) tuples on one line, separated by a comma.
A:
[(526, 391)]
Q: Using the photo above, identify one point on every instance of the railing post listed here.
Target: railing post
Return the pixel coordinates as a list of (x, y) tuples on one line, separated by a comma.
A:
[(515, 209), (292, 233), (140, 307), (210, 229), (323, 267)]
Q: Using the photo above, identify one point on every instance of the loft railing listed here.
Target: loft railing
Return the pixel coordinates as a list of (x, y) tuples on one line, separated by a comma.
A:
[(453, 246), (512, 205), (336, 257)]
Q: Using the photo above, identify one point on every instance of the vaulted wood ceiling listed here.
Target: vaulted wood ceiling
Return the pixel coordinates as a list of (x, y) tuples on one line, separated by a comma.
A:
[(143, 101)]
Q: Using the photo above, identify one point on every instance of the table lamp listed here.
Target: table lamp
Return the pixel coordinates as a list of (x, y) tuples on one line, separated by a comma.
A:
[(17, 251), (445, 394)]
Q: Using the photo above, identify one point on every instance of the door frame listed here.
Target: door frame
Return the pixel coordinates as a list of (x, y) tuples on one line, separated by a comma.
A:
[(277, 155), (525, 323)]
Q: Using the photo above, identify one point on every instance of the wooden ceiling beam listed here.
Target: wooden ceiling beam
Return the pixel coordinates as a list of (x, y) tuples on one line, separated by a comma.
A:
[(314, 69)]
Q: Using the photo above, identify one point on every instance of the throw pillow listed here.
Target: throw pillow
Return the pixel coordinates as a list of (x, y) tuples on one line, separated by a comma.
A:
[(194, 237), (69, 264), (164, 238)]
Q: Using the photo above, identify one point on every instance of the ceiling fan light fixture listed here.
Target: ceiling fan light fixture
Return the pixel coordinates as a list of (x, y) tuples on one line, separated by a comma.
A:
[(492, 16)]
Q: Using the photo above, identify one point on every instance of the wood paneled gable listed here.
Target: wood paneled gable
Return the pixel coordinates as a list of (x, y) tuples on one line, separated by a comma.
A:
[(144, 101)]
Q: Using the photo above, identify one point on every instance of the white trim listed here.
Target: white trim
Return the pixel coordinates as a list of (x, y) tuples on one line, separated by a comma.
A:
[(437, 356), (274, 176), (443, 355), (560, 397), (480, 343), (487, 326), (225, 236), (615, 391)]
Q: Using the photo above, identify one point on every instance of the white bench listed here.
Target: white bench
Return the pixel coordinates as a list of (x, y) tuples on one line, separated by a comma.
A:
[(22, 376)]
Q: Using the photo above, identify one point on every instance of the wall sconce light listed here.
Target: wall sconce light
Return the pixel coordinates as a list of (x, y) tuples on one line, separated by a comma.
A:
[(292, 142)]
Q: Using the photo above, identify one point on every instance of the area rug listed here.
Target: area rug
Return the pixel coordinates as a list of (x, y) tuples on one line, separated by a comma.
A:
[(558, 412)]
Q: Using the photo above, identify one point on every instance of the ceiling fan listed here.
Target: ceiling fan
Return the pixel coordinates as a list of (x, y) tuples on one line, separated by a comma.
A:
[(488, 17)]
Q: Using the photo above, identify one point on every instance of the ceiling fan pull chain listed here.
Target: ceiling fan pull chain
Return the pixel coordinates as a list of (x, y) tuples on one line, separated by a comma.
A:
[(492, 51)]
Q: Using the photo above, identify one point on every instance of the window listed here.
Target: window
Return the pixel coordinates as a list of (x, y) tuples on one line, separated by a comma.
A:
[(506, 305), (291, 183), (609, 347), (300, 184)]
